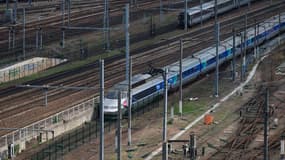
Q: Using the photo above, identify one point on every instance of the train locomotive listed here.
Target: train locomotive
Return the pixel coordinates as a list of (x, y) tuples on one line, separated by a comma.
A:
[(146, 87)]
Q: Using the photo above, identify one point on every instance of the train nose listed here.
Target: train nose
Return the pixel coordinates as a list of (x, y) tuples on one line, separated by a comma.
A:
[(110, 105)]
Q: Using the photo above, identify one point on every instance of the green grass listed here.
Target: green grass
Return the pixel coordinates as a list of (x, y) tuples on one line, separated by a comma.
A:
[(191, 107)]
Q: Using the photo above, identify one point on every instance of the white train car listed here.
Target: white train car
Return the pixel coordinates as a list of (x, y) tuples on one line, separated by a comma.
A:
[(200, 63), (199, 13)]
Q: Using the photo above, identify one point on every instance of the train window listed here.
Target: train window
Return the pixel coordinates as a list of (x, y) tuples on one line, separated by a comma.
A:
[(124, 94), (212, 60), (111, 95), (134, 85), (196, 68), (145, 93)]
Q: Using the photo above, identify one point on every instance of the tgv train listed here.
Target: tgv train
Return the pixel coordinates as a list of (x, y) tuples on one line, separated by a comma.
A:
[(146, 87), (207, 11)]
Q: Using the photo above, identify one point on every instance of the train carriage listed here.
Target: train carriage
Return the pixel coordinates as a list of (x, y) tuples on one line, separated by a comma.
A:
[(199, 13), (201, 62)]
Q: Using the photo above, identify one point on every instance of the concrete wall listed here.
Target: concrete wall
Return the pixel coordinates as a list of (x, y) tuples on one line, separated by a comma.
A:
[(59, 123)]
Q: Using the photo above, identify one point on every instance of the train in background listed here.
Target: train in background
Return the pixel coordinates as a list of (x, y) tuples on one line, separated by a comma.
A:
[(206, 11), (21, 1), (146, 87)]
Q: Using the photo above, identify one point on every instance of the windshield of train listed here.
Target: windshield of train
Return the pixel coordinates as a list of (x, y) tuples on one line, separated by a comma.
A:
[(111, 95)]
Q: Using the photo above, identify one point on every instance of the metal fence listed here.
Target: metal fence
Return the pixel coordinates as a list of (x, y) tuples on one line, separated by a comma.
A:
[(28, 133), (70, 141), (23, 70)]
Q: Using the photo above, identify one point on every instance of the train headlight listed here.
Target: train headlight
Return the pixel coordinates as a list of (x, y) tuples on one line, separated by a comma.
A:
[(125, 103)]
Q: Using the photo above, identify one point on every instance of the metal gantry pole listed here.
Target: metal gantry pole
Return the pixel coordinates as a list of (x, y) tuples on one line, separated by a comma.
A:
[(127, 37), (216, 11), (106, 25), (165, 152), (15, 11), (69, 7), (101, 110), (13, 38), (244, 56), (9, 38), (234, 55), (41, 38), (245, 33), (217, 37), (244, 59), (257, 47), (255, 43), (24, 33), (37, 39), (119, 117), (266, 124), (180, 77), (63, 23), (241, 53), (279, 30), (130, 103), (185, 15), (160, 11), (133, 3), (63, 38), (7, 4), (201, 12)]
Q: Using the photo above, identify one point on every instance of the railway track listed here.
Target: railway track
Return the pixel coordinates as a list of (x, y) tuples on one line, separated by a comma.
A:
[(60, 100), (247, 143), (249, 127), (52, 26), (157, 46), (76, 17)]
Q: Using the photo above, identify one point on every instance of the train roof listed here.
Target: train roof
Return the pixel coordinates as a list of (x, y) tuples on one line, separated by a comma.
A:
[(173, 69), (123, 86), (204, 55), (205, 6)]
